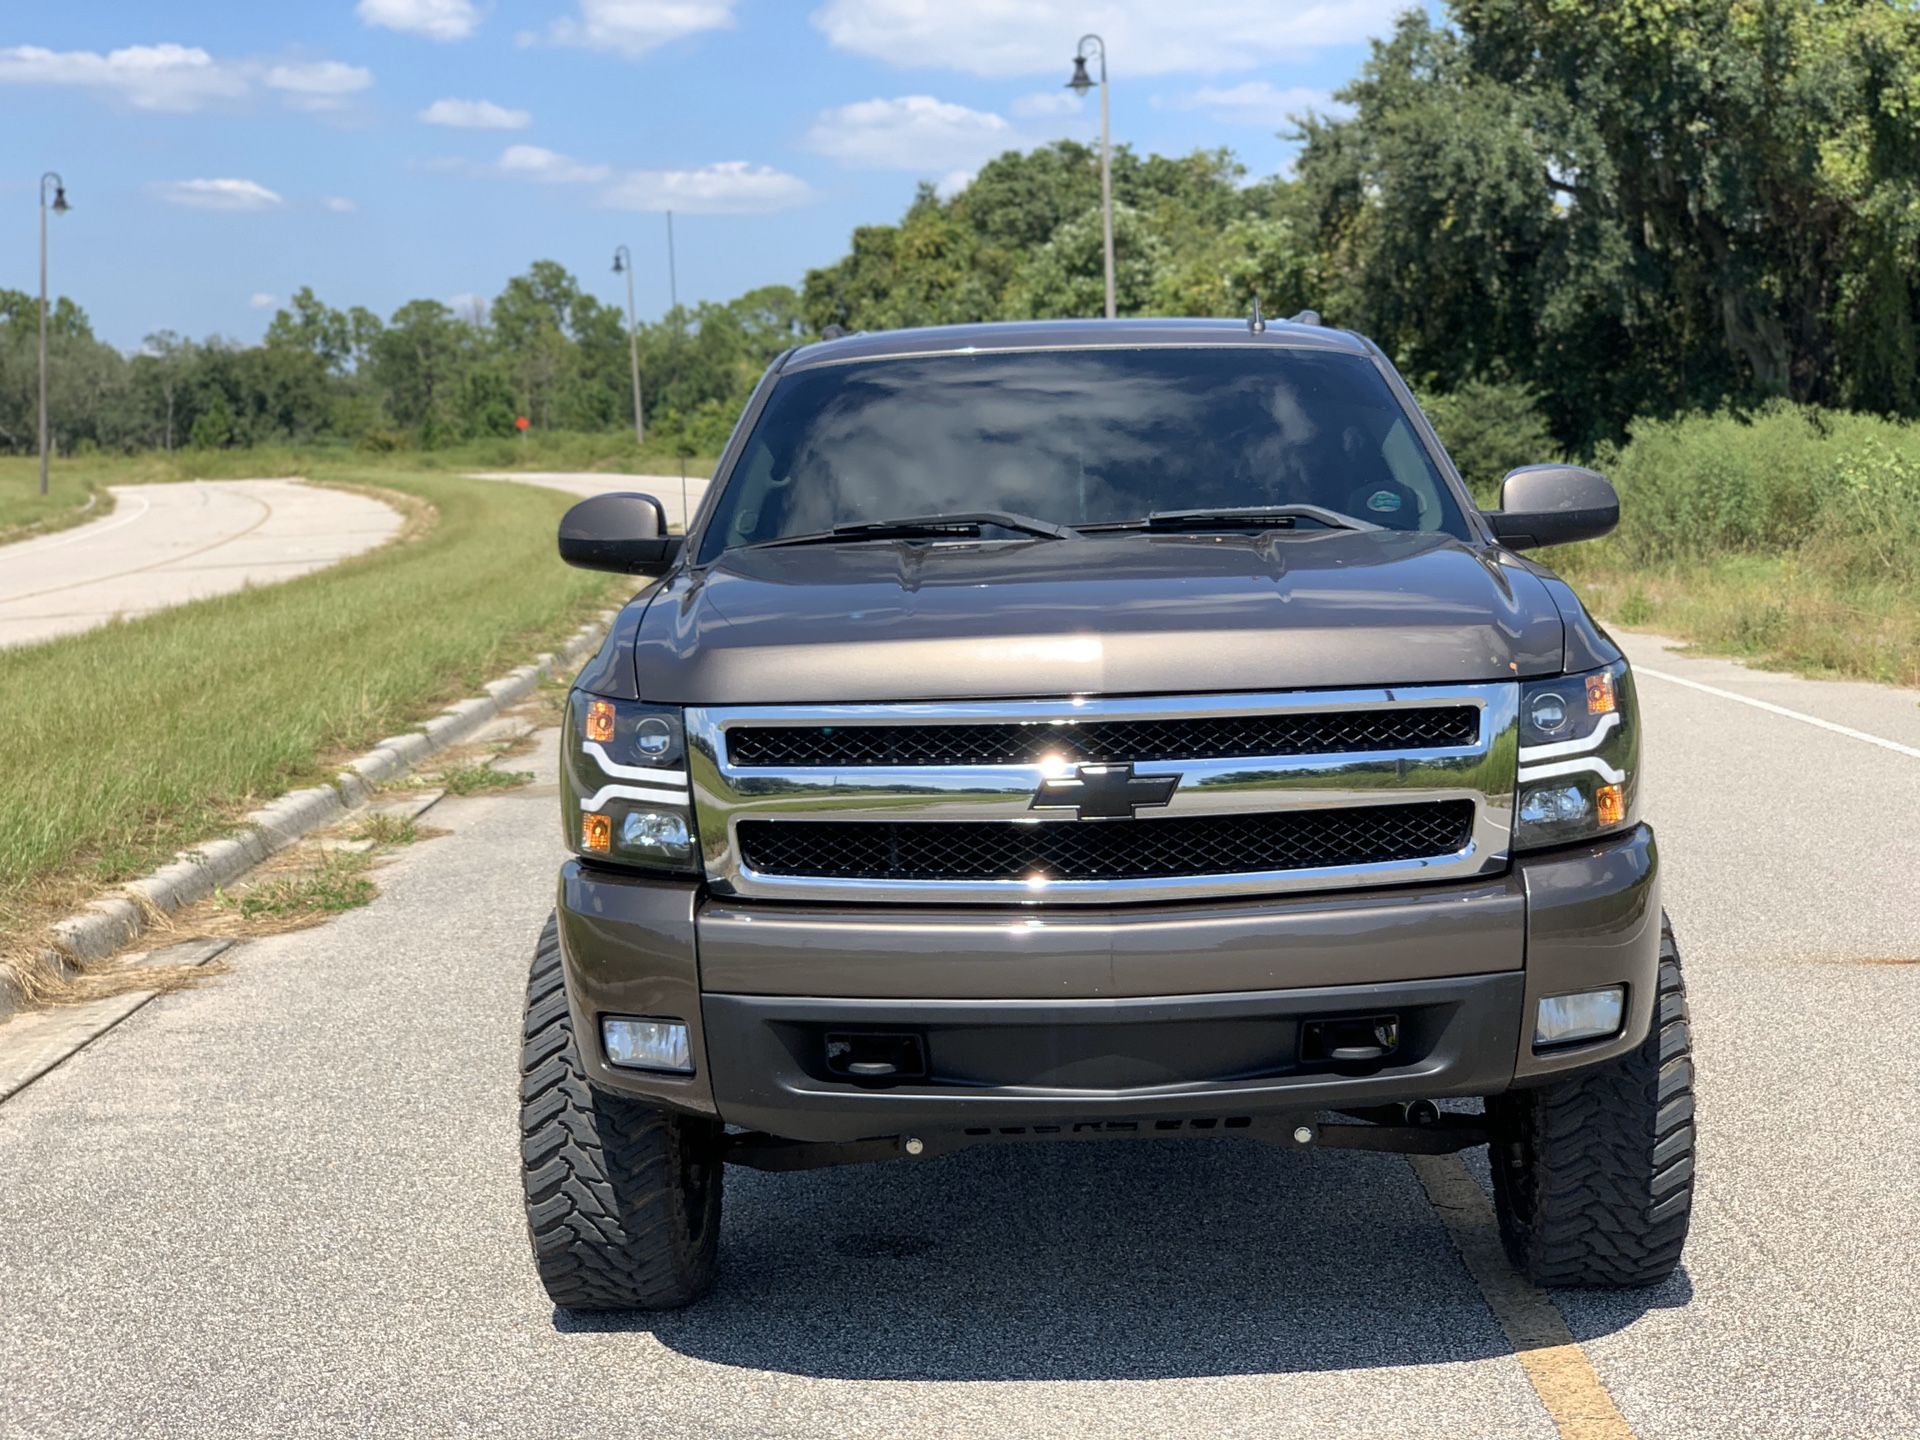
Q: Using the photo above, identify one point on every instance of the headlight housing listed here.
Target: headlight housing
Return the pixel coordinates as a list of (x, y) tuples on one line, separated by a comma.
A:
[(624, 794), (1579, 758)]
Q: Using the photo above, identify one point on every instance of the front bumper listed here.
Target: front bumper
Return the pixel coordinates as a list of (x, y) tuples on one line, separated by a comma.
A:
[(1129, 1014)]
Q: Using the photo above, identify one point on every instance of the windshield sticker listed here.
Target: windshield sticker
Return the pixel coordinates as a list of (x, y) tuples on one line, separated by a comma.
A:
[(1384, 501)]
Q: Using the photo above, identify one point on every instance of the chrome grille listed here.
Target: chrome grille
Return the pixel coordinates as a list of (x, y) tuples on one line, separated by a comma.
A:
[(1190, 737), (935, 802), (1108, 850)]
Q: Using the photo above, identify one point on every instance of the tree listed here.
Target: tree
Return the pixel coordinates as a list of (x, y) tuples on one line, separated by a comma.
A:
[(419, 361)]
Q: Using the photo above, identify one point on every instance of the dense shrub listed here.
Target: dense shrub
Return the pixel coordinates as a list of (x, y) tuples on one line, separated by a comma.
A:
[(1488, 429), (1782, 479)]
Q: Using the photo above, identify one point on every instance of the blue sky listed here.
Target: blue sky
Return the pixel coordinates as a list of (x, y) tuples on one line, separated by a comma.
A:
[(219, 155)]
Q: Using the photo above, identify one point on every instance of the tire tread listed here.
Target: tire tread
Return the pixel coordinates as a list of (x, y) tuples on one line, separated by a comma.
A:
[(1594, 1174), (612, 1225)]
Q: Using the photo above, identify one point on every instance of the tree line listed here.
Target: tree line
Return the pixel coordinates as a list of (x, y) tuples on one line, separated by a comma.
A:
[(424, 377), (1556, 218)]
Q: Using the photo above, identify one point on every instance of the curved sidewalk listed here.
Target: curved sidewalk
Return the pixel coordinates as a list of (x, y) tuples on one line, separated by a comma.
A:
[(667, 489), (167, 544)]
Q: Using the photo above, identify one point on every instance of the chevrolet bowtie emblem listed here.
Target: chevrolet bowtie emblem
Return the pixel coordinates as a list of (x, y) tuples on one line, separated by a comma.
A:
[(1104, 792)]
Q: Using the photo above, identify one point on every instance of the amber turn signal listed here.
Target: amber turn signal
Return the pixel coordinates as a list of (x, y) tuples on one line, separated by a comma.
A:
[(600, 722), (596, 833), (1610, 805), (1600, 693)]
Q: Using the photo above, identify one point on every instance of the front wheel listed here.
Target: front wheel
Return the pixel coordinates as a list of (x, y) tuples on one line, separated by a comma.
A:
[(1593, 1174), (623, 1197)]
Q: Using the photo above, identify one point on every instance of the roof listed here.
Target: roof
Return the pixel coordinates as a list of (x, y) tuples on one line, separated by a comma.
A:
[(1069, 335)]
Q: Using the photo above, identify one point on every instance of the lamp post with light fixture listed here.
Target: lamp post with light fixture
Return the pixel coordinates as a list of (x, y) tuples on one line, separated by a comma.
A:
[(623, 265), (59, 207), (1080, 84)]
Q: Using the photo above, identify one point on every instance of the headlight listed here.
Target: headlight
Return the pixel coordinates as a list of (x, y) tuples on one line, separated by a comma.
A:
[(623, 784), (1579, 758)]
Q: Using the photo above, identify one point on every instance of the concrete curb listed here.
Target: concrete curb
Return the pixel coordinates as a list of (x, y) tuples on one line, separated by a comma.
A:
[(113, 921)]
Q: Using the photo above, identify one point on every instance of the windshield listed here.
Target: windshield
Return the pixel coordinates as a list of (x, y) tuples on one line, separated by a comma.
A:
[(1080, 437)]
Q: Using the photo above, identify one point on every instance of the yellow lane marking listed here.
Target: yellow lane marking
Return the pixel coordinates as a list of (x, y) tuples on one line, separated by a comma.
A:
[(1557, 1368)]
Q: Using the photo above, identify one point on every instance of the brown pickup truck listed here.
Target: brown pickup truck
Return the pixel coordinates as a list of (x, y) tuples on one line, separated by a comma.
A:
[(1088, 730)]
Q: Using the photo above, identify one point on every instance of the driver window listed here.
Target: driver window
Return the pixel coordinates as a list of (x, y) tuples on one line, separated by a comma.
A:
[(1408, 463)]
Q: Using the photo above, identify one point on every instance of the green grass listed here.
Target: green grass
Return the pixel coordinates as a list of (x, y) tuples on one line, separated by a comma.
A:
[(386, 829), (476, 779), (335, 882), (24, 511), (124, 744)]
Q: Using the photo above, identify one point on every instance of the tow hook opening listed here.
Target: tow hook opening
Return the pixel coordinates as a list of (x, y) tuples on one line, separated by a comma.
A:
[(1357, 1040), (876, 1057)]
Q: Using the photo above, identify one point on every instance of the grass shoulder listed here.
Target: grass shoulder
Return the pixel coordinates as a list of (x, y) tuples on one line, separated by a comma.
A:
[(74, 496), (123, 745)]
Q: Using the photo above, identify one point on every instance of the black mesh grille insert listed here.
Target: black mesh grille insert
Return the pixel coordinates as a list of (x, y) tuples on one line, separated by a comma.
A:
[(1219, 737), (1105, 849)]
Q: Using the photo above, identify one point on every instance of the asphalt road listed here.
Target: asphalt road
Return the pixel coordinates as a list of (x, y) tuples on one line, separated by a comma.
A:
[(287, 1201), (167, 544)]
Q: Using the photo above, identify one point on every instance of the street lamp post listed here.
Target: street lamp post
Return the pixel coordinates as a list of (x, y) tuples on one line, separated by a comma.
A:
[(1080, 84), (673, 281), (59, 207), (623, 264)]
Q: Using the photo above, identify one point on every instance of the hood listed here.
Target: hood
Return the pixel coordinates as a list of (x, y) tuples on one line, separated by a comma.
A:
[(1108, 615)]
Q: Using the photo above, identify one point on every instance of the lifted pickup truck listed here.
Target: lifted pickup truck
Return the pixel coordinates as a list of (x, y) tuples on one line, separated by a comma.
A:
[(1085, 730)]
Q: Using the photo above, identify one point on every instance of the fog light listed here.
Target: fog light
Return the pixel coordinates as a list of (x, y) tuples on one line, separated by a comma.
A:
[(652, 832), (1553, 805), (647, 1044), (1589, 1015)]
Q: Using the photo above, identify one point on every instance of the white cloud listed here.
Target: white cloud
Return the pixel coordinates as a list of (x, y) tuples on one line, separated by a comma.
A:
[(152, 77), (218, 194), (475, 115), (534, 162), (183, 77), (953, 184), (1252, 102), (339, 204), (261, 300), (435, 19), (732, 187), (913, 132), (1045, 104), (634, 27), (319, 84), (1147, 37)]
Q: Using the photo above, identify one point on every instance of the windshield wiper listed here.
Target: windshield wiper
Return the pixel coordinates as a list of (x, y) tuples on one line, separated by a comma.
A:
[(961, 525), (1250, 517)]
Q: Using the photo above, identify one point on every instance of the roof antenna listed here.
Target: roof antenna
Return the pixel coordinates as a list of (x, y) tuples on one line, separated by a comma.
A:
[(1256, 322)]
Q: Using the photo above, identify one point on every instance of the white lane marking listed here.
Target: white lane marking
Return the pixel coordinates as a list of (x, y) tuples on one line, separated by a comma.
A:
[(1911, 752), (90, 532), (632, 792), (1557, 748), (1592, 763), (633, 772)]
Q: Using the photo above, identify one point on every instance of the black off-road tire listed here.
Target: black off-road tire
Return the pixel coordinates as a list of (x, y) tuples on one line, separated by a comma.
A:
[(623, 1198), (1593, 1175)]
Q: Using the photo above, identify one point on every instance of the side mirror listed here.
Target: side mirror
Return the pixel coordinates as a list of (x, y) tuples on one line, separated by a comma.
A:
[(1553, 505), (626, 534)]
